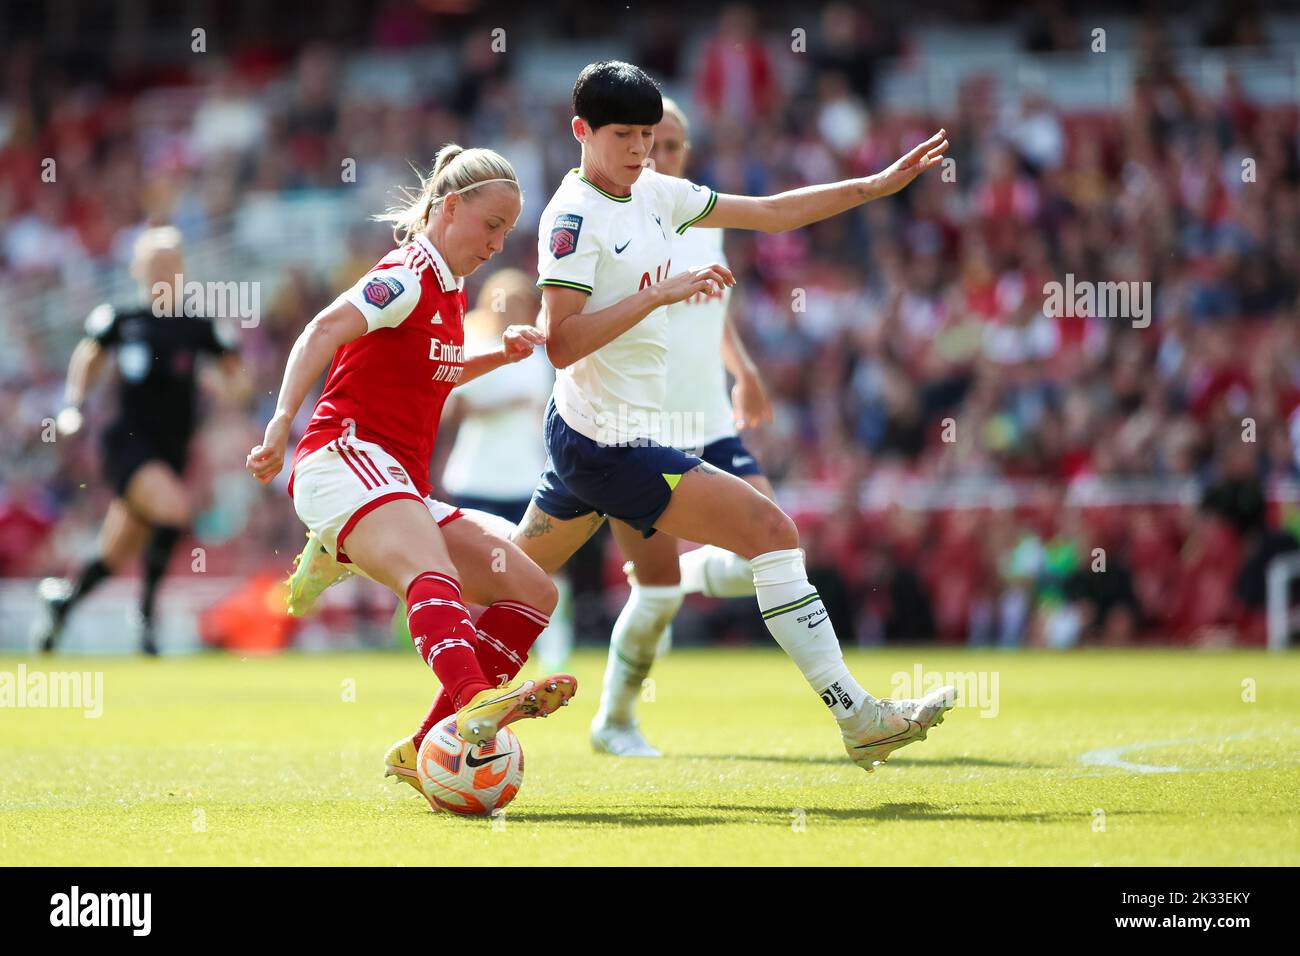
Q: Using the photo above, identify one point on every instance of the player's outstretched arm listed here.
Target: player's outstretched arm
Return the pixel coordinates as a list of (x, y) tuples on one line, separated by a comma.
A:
[(517, 343), (801, 207), (572, 334), (311, 353), (749, 404), (87, 361)]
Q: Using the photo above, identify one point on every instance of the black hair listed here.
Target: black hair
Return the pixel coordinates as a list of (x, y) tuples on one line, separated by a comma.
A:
[(612, 91)]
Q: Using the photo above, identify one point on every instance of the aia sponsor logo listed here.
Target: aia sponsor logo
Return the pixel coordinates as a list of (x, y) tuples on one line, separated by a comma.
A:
[(661, 273)]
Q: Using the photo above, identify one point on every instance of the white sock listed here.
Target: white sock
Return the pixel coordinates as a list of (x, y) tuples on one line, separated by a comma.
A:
[(632, 648), (797, 619), (717, 573), (665, 642)]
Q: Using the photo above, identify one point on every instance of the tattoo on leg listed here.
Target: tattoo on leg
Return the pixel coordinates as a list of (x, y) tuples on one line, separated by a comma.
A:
[(596, 521), (536, 523)]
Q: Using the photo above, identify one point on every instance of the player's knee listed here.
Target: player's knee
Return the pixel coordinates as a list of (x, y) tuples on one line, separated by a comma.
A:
[(777, 531), (176, 514), (398, 568), (170, 509), (657, 573), (540, 592)]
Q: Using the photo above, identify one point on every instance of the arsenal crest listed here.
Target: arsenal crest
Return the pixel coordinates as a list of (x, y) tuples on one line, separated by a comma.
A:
[(564, 234)]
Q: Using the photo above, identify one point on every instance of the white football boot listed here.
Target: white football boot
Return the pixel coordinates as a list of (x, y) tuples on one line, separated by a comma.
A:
[(874, 733), (620, 740)]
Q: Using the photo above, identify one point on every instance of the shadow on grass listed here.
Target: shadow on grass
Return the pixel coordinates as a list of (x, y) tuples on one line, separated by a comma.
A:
[(691, 815), (906, 761)]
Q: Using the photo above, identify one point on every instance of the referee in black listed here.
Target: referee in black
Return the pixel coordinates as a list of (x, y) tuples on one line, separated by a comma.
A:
[(156, 345)]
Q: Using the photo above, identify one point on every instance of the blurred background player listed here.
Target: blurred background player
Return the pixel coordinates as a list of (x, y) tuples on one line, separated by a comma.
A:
[(925, 307), (699, 328), (497, 451), (156, 343)]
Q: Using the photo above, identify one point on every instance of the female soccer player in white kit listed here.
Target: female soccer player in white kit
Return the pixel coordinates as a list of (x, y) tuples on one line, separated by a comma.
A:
[(394, 344), (702, 346), (605, 265)]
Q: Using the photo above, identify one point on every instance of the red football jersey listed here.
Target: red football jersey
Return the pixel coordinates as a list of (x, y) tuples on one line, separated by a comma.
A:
[(389, 386)]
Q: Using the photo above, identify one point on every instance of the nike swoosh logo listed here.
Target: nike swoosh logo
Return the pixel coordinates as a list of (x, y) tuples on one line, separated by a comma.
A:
[(912, 727), (472, 761), (740, 461), (618, 249), (495, 700), (822, 621)]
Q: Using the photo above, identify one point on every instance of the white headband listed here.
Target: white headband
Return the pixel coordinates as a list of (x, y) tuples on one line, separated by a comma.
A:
[(475, 185), (483, 182)]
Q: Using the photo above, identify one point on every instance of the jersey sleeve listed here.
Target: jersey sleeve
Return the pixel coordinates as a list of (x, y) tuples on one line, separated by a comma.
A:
[(385, 296), (567, 252), (101, 325), (691, 203)]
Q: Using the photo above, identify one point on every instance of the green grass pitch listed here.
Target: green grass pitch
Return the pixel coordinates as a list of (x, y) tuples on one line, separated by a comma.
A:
[(222, 760)]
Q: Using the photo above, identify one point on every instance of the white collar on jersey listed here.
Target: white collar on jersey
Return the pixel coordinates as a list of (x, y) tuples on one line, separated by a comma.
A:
[(440, 268)]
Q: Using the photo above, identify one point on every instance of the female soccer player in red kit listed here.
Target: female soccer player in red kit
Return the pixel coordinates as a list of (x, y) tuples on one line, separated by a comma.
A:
[(360, 474)]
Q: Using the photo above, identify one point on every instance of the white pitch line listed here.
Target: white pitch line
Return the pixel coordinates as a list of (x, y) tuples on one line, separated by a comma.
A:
[(1114, 756)]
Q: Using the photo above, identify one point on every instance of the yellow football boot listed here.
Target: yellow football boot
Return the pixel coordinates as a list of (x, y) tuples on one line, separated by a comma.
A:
[(490, 710), (313, 571)]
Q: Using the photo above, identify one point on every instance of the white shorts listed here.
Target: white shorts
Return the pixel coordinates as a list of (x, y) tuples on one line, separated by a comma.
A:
[(335, 486)]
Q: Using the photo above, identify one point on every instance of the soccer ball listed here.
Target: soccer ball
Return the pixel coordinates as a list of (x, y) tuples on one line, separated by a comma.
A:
[(463, 778)]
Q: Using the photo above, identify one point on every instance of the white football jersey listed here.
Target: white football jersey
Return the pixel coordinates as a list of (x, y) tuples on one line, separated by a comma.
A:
[(499, 452), (696, 403), (611, 247)]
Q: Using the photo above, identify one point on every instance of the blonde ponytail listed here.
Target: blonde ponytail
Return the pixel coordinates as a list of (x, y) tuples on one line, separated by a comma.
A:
[(455, 170)]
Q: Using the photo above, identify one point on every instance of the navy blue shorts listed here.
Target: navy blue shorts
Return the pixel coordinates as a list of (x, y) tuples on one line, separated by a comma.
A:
[(632, 483), (730, 455)]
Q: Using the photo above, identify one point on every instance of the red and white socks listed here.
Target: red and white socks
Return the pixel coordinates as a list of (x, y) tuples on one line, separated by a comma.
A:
[(444, 634), (506, 631)]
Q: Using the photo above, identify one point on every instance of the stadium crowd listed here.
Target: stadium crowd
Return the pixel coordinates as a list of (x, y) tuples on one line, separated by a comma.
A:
[(906, 344)]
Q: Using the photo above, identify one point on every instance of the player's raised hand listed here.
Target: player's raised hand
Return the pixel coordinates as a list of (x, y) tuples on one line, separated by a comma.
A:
[(518, 341), (265, 461), (68, 421), (707, 279), (913, 164)]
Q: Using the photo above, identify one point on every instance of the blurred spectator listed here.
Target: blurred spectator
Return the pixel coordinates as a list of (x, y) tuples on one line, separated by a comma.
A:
[(905, 344)]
